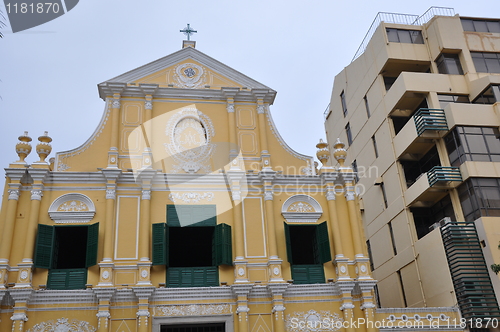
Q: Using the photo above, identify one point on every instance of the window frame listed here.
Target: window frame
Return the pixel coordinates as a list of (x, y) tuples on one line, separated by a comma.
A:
[(309, 273), (46, 251), (343, 103), (483, 62), (445, 63), (413, 37), (348, 133)]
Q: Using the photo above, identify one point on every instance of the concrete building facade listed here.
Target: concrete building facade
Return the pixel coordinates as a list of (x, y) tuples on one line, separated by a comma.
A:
[(419, 106)]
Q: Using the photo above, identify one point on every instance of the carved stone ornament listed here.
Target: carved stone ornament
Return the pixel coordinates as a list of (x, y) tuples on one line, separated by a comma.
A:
[(146, 194), (72, 208), (236, 195), (190, 76), (350, 195), (24, 275), (115, 103), (279, 307), (63, 325), (189, 133), (191, 197), (110, 193), (148, 105), (230, 108), (13, 194), (330, 195), (260, 109), (19, 316), (193, 310), (36, 195), (268, 196), (313, 321), (301, 208)]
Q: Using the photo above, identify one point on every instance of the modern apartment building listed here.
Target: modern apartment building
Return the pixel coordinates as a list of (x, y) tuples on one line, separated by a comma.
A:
[(419, 106)]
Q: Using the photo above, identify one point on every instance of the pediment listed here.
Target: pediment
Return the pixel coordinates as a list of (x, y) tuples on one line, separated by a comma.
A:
[(188, 68)]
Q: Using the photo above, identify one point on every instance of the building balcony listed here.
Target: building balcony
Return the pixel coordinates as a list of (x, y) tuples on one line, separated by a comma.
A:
[(443, 174), (459, 114), (417, 136), (430, 119), (432, 186), (410, 88)]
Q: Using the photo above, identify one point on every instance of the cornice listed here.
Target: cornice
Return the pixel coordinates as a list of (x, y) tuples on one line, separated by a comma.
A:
[(138, 91)]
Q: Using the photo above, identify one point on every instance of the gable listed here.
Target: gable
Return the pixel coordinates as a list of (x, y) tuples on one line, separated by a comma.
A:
[(170, 71)]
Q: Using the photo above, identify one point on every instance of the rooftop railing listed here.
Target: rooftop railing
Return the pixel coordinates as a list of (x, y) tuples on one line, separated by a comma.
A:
[(407, 19)]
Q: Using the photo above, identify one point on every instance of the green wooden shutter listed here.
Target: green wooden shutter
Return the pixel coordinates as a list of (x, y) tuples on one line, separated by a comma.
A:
[(174, 277), (160, 244), (57, 279), (288, 243), (308, 274), (191, 215), (323, 243), (92, 243), (44, 248), (316, 274), (77, 278), (67, 279), (212, 276), (222, 245), (172, 218)]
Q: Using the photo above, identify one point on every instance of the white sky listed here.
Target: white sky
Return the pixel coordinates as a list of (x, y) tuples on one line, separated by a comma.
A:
[(49, 73)]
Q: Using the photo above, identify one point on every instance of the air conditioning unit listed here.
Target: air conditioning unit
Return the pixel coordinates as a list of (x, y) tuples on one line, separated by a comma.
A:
[(440, 223)]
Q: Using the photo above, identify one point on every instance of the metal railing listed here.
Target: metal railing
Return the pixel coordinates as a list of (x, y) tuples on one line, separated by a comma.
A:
[(430, 119), (327, 111), (470, 275), (443, 174), (407, 19)]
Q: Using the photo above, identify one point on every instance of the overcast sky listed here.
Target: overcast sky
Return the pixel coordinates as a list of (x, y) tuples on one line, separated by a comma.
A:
[(49, 74)]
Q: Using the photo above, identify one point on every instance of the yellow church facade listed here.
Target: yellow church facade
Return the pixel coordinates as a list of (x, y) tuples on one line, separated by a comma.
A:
[(186, 210)]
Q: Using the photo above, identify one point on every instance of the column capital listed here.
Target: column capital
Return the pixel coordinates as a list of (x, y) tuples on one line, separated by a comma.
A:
[(36, 194), (13, 194)]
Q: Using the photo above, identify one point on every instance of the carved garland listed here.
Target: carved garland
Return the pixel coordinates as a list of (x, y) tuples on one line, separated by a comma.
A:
[(193, 310), (63, 325), (313, 321)]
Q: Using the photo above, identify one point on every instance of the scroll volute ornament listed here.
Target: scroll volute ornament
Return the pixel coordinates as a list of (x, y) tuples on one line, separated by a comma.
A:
[(23, 148), (44, 148)]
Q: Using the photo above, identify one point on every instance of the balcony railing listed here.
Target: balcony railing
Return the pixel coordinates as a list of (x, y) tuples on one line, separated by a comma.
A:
[(443, 174), (407, 19), (430, 119)]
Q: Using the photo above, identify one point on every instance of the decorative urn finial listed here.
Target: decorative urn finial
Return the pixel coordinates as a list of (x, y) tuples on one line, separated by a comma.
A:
[(44, 148), (23, 148), (323, 153), (340, 153)]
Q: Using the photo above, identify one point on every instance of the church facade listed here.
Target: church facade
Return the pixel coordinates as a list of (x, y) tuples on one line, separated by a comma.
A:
[(186, 210)]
